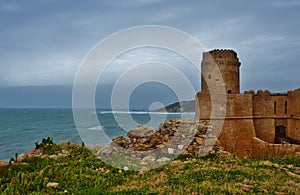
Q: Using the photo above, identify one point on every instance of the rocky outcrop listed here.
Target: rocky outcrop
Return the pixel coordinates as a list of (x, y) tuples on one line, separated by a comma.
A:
[(147, 148), (172, 136), (63, 151), (3, 163)]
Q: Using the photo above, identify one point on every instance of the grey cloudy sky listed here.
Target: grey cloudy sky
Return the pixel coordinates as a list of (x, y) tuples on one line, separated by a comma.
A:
[(44, 42)]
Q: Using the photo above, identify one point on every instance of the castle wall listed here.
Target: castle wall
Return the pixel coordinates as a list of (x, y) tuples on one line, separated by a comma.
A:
[(261, 149), (271, 110), (250, 122), (293, 123), (253, 122), (265, 108), (202, 105), (294, 102), (293, 130), (265, 129), (239, 105), (236, 134)]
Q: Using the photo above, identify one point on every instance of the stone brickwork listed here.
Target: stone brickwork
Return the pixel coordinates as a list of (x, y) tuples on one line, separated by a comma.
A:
[(224, 62), (270, 118), (262, 149)]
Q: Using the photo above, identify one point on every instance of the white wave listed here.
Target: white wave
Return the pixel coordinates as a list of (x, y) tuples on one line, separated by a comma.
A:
[(145, 112), (96, 128), (104, 112)]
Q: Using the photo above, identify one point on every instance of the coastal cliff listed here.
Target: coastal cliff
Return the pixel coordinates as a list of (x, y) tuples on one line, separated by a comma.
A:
[(184, 106)]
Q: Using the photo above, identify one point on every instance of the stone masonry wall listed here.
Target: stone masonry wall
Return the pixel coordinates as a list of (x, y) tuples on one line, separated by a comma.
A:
[(293, 129), (293, 124), (236, 134), (251, 118), (224, 62), (261, 149)]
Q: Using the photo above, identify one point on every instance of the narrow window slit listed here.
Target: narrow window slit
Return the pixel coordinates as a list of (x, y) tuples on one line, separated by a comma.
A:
[(285, 107)]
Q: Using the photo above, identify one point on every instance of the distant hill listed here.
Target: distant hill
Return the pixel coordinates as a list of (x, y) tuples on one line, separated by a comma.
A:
[(184, 106)]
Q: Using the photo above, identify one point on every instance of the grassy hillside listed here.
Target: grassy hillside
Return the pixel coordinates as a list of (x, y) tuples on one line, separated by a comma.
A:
[(79, 172)]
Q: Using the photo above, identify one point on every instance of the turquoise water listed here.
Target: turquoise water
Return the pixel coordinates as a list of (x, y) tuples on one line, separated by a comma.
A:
[(21, 128)]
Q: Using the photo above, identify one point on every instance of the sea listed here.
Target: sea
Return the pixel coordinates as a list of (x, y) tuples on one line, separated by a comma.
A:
[(20, 129)]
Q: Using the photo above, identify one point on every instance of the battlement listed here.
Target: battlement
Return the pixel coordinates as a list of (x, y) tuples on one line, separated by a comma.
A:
[(260, 92), (221, 53), (295, 92)]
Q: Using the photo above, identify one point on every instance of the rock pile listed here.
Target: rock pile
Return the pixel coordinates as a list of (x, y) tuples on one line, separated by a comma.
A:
[(21, 158), (147, 148), (172, 136)]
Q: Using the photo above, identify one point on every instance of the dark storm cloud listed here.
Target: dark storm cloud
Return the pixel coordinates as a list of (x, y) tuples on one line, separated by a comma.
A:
[(43, 42)]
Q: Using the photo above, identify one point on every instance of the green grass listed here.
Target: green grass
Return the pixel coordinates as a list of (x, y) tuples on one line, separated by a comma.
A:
[(81, 173)]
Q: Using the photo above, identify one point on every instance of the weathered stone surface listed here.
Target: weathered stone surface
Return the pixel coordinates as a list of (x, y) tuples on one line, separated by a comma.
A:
[(199, 140), (163, 160), (172, 137), (264, 149), (22, 157), (140, 132), (52, 185), (246, 116), (121, 141), (170, 151), (148, 159), (3, 163), (35, 152)]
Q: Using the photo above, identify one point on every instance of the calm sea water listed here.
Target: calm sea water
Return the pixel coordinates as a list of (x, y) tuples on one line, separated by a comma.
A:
[(21, 128)]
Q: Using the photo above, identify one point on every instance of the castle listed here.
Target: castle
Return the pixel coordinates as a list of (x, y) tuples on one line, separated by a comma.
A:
[(250, 124)]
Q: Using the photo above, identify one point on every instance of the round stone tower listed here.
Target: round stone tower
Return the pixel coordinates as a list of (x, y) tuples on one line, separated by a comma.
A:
[(225, 61)]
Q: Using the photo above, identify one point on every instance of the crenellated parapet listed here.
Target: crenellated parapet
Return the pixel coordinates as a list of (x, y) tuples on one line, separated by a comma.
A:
[(263, 93), (250, 92), (224, 52), (219, 55), (295, 92)]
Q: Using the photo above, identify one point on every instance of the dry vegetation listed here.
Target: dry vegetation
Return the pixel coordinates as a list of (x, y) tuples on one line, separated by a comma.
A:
[(80, 172)]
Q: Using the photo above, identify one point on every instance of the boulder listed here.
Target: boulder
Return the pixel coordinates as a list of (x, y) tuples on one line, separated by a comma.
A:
[(22, 157), (148, 159), (35, 152), (140, 132), (198, 140), (3, 163), (121, 141), (52, 185), (163, 160)]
